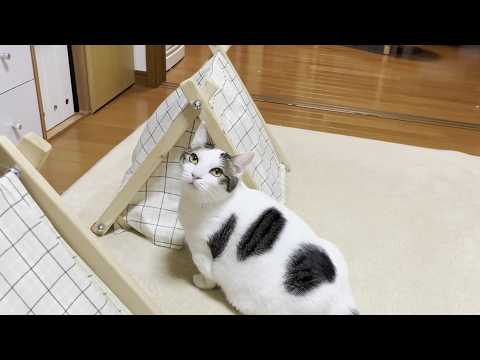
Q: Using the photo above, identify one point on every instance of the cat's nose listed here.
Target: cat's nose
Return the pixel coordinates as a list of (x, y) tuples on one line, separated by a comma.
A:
[(195, 177)]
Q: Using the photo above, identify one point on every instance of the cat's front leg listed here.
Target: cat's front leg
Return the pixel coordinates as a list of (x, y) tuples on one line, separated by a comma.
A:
[(204, 279), (203, 283)]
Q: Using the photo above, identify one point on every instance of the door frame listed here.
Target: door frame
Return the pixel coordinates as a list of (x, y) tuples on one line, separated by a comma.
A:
[(39, 93), (156, 64)]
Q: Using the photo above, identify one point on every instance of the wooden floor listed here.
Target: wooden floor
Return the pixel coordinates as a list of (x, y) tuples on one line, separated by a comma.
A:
[(80, 146), (440, 82), (303, 98)]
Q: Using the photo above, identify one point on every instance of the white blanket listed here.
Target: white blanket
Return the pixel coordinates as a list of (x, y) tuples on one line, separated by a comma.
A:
[(405, 217)]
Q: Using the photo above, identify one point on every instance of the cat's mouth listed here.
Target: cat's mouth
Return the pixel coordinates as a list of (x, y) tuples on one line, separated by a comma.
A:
[(193, 184)]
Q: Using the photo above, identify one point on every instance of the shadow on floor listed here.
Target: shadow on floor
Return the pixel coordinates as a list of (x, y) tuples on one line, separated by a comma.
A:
[(414, 53), (399, 51)]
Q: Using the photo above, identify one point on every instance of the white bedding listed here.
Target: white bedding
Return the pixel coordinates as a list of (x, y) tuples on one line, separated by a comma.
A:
[(406, 219)]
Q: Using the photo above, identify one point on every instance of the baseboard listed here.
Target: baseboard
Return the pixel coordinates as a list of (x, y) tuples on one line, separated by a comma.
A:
[(65, 124)]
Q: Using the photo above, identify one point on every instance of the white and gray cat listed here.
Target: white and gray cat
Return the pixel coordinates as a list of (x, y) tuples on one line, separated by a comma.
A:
[(265, 258)]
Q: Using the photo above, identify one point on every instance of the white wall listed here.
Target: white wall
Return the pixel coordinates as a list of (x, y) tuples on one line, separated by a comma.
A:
[(139, 57)]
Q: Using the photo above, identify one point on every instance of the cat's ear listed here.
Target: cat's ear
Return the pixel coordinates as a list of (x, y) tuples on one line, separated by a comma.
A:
[(200, 139), (241, 161)]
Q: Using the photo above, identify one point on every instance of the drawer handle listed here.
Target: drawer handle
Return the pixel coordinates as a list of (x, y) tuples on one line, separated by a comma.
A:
[(5, 56)]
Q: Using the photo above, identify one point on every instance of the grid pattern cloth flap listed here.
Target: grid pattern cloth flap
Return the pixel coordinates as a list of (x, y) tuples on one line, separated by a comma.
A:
[(39, 273), (153, 210)]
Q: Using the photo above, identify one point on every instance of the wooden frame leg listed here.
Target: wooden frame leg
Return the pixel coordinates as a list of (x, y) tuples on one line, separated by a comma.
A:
[(182, 123), (35, 149)]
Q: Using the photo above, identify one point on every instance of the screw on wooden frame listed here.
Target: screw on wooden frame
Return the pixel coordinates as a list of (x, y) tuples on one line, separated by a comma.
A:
[(98, 229), (197, 104), (4, 169)]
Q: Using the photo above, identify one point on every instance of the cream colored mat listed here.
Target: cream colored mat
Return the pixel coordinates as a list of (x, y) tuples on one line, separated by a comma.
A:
[(406, 218)]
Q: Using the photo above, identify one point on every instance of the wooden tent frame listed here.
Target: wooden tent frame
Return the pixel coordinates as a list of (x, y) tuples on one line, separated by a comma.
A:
[(198, 106), (27, 157)]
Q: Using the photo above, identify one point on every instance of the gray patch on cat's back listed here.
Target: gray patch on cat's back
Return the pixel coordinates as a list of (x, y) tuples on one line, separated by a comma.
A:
[(218, 241), (309, 266), (261, 235)]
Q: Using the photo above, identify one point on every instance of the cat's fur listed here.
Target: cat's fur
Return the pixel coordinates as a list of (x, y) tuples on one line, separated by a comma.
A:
[(265, 258)]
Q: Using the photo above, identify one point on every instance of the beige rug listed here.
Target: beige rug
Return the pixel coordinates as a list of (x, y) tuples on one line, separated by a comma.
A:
[(406, 218)]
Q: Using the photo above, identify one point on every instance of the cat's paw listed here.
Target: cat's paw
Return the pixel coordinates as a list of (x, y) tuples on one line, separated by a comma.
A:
[(203, 283)]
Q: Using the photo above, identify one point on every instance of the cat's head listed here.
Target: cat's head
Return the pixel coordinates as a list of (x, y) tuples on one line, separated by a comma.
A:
[(210, 174)]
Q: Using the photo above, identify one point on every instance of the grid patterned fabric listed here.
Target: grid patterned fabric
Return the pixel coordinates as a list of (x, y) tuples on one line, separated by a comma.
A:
[(153, 210), (39, 273), (244, 127), (155, 128)]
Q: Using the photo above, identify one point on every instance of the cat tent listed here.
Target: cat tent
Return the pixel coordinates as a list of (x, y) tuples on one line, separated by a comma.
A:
[(215, 95)]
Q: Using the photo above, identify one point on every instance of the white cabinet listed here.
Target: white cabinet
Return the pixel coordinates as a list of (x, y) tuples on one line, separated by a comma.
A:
[(19, 111), (15, 66), (174, 54)]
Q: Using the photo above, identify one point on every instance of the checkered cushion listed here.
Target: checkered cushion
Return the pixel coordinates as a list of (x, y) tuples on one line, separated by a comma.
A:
[(153, 211), (39, 273)]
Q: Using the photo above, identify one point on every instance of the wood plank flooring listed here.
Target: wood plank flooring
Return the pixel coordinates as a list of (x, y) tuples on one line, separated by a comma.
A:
[(439, 82), (321, 81)]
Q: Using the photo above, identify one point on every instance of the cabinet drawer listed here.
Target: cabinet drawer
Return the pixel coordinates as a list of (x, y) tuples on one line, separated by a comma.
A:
[(15, 66), (19, 106)]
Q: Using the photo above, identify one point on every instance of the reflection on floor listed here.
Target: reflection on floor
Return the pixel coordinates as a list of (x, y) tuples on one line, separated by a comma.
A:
[(414, 99), (439, 82)]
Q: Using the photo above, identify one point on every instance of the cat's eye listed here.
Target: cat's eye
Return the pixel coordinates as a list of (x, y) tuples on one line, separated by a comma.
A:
[(216, 172), (193, 158)]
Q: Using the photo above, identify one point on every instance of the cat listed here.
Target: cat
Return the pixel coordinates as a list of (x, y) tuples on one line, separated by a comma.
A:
[(264, 257)]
